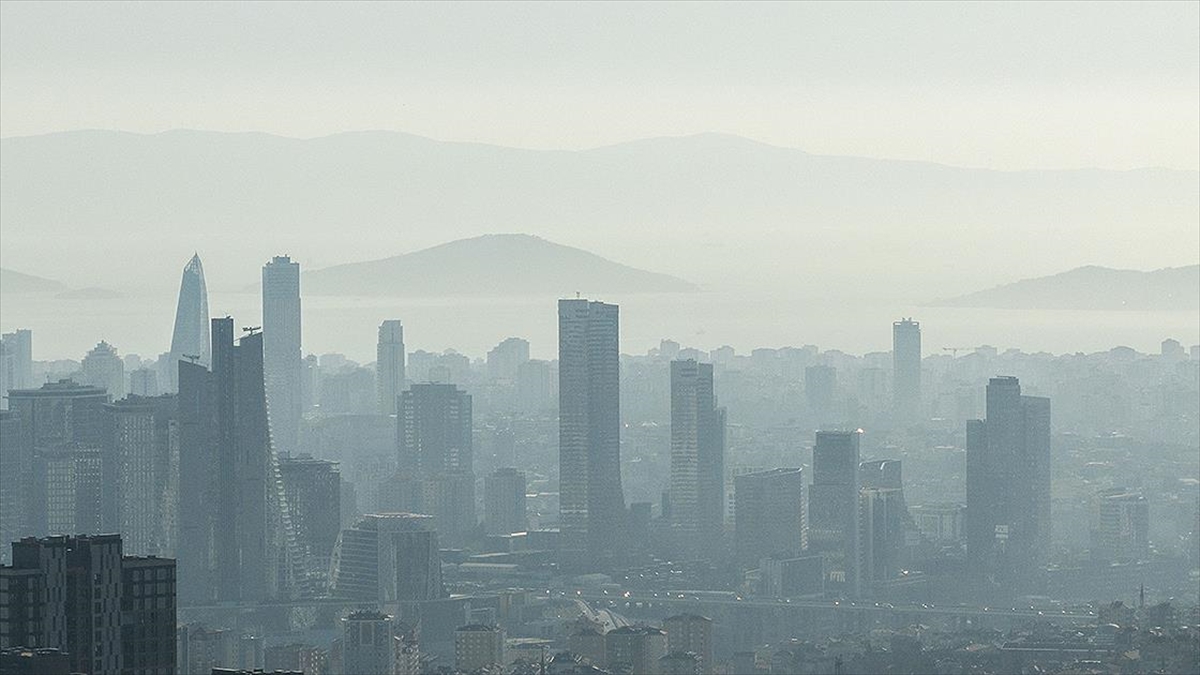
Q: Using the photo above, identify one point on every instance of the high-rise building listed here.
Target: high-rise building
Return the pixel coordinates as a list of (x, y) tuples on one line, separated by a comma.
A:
[(16, 361), (281, 348), (478, 646), (691, 633), (637, 649), (906, 369), (190, 339), (1008, 484), (881, 536), (145, 448), (833, 503), (535, 389), (56, 420), (435, 449), (72, 489), (679, 663), (769, 514), (697, 460), (591, 502), (144, 382), (102, 367), (388, 557), (16, 472), (236, 539), (1121, 529), (820, 391), (506, 358), (504, 495), (110, 613), (313, 491), (389, 365), (368, 647)]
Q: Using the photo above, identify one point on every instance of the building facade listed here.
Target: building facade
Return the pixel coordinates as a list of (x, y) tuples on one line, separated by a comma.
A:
[(281, 348)]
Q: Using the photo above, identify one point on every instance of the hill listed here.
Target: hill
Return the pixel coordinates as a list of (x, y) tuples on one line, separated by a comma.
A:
[(711, 208), (18, 283), (490, 265), (1093, 287)]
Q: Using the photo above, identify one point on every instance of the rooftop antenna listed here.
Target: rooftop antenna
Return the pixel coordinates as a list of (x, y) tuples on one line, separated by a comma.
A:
[(576, 295)]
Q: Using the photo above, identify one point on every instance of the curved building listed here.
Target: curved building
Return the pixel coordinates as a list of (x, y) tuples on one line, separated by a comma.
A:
[(191, 322)]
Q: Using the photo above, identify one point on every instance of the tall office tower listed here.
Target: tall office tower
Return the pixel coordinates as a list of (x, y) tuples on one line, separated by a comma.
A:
[(535, 387), (313, 491), (72, 489), (820, 390), (190, 338), (16, 470), (769, 514), (388, 557), (368, 647), (55, 419), (435, 448), (18, 349), (635, 648), (103, 368), (281, 349), (236, 538), (697, 460), (833, 503), (16, 362), (883, 514), (505, 359), (591, 502), (1008, 484), (504, 494), (691, 633), (478, 646), (144, 382), (881, 533), (1121, 529), (389, 365), (906, 369), (110, 613), (145, 448)]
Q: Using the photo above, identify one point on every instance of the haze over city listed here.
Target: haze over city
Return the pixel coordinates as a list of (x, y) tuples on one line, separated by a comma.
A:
[(527, 338)]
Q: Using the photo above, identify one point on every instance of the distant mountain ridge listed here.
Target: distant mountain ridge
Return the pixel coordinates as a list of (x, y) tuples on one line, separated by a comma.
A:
[(1094, 287), (489, 265), (711, 208), (13, 282)]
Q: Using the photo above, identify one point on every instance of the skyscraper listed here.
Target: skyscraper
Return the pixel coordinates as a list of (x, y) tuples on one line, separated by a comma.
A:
[(16, 470), (237, 541), (109, 612), (388, 557), (190, 338), (769, 514), (434, 438), (102, 367), (697, 459), (55, 420), (145, 448), (591, 502), (1008, 484), (906, 369), (281, 348), (1121, 529), (833, 503), (504, 495), (389, 365), (16, 361), (313, 490)]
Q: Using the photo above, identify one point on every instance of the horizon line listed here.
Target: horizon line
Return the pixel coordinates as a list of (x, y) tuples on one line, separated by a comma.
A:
[(594, 148)]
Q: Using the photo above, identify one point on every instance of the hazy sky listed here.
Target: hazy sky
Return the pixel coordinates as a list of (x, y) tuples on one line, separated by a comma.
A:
[(1013, 85)]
